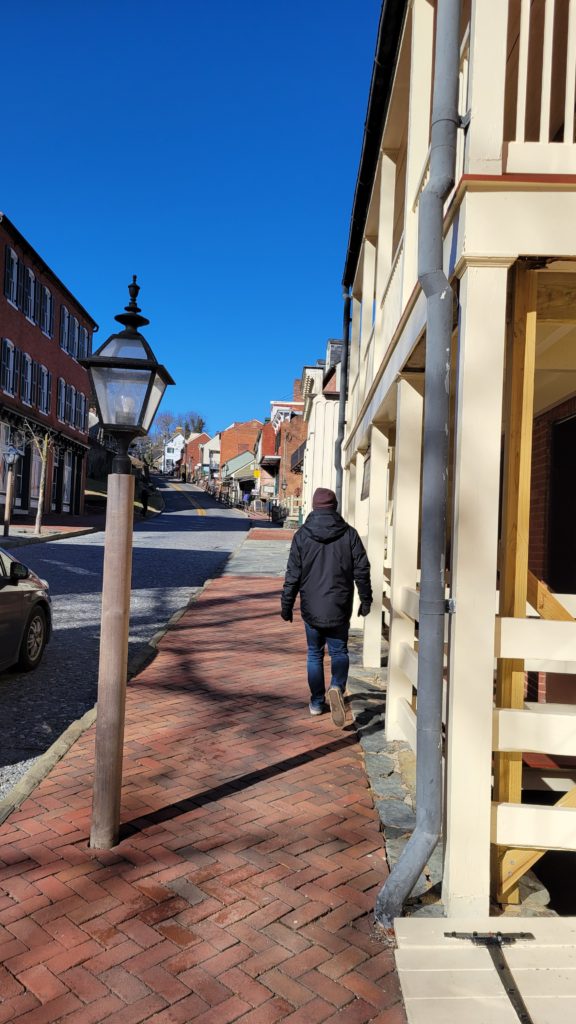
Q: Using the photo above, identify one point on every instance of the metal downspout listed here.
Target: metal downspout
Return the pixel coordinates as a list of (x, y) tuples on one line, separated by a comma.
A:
[(342, 400), (435, 285)]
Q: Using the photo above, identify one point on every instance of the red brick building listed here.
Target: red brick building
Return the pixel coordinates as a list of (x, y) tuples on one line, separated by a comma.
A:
[(192, 456), (238, 438), (44, 332), (280, 437), (268, 461)]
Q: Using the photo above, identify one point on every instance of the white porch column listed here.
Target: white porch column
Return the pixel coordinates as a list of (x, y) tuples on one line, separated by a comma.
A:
[(466, 886), (418, 132), (384, 249), (404, 562), (361, 506), (487, 83), (360, 522), (378, 505), (352, 404), (350, 514)]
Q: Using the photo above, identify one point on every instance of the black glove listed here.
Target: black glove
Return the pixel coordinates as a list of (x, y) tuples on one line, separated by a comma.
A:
[(364, 608), (286, 614)]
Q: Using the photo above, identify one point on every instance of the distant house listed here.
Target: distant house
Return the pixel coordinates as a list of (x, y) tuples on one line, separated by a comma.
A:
[(44, 332), (280, 436), (321, 393), (237, 477), (210, 460), (192, 456), (172, 452), (267, 462), (238, 438)]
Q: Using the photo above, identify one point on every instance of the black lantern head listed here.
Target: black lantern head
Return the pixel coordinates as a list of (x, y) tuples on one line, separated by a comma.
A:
[(127, 379)]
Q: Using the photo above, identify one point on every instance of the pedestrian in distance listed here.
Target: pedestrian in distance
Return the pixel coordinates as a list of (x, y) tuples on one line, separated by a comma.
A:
[(326, 559)]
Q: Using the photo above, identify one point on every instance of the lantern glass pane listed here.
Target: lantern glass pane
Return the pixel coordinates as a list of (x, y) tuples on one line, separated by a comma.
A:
[(121, 394), (158, 389), (120, 347)]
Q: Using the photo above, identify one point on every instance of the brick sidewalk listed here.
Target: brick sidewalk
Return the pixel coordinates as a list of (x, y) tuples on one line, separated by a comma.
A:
[(243, 886)]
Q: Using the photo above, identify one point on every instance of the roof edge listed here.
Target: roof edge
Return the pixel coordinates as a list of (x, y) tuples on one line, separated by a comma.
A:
[(43, 266), (390, 28)]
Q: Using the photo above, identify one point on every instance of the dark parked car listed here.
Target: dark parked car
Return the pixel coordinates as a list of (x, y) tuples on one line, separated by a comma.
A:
[(25, 614)]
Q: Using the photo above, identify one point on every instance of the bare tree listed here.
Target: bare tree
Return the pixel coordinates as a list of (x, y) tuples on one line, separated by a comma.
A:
[(167, 423), (43, 441), (193, 422)]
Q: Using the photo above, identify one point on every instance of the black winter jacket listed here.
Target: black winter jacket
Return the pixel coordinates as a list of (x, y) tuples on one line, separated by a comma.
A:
[(326, 558)]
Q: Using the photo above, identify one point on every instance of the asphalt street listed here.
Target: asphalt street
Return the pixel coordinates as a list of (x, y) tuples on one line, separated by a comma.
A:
[(174, 553)]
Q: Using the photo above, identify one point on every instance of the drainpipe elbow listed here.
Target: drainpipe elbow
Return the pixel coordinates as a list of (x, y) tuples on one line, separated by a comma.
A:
[(441, 185)]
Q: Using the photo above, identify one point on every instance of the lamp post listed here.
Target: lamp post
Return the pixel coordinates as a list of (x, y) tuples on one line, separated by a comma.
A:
[(10, 457), (128, 384)]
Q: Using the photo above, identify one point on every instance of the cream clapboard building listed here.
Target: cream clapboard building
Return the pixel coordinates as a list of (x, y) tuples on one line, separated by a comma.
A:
[(510, 256)]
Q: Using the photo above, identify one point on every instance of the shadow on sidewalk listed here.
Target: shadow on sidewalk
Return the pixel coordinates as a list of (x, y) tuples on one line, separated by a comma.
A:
[(235, 785)]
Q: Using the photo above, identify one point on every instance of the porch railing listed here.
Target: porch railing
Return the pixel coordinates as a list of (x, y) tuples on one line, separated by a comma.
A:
[(541, 75)]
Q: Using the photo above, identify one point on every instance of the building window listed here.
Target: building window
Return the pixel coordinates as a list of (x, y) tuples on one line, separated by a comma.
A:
[(72, 420), (29, 293), (61, 399), (73, 336), (80, 411), (82, 343), (44, 388), (7, 367), (47, 311), (35, 383), (67, 479), (11, 276), (64, 320), (26, 379), (68, 403)]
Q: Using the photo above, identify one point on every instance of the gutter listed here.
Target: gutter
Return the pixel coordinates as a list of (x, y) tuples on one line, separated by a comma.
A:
[(436, 287), (390, 30)]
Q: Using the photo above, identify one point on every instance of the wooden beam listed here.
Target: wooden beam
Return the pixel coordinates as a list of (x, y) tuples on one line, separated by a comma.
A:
[(539, 728), (534, 826), (544, 601), (519, 412), (535, 640), (517, 862), (556, 297)]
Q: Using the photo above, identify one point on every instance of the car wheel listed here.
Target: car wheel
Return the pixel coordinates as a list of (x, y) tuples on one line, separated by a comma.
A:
[(33, 641)]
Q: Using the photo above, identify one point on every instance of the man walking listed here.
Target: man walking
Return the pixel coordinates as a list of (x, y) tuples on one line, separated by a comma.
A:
[(326, 559)]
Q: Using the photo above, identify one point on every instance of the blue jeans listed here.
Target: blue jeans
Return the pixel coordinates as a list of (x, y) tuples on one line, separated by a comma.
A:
[(337, 639)]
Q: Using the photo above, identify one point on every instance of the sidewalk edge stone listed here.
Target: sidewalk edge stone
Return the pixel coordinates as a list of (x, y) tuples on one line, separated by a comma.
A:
[(44, 764)]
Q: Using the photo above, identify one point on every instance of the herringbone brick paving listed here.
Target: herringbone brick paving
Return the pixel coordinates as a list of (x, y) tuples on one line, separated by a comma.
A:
[(250, 852)]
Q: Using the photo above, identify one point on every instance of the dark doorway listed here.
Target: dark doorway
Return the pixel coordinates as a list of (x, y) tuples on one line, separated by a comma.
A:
[(562, 522)]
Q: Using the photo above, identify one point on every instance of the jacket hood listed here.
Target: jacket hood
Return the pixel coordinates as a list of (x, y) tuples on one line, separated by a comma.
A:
[(325, 527)]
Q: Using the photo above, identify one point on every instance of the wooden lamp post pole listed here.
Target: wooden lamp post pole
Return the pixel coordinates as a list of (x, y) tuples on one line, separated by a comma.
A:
[(113, 665)]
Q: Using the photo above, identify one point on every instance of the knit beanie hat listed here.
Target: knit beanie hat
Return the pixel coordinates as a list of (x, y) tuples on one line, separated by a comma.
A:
[(324, 500)]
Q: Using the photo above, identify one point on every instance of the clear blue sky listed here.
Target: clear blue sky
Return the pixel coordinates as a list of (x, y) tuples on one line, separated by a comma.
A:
[(210, 148)]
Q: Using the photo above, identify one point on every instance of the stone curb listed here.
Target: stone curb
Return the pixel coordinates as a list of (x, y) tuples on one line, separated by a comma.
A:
[(44, 764), (20, 542)]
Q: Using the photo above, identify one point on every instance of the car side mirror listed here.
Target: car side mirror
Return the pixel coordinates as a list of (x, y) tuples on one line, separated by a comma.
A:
[(18, 571)]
